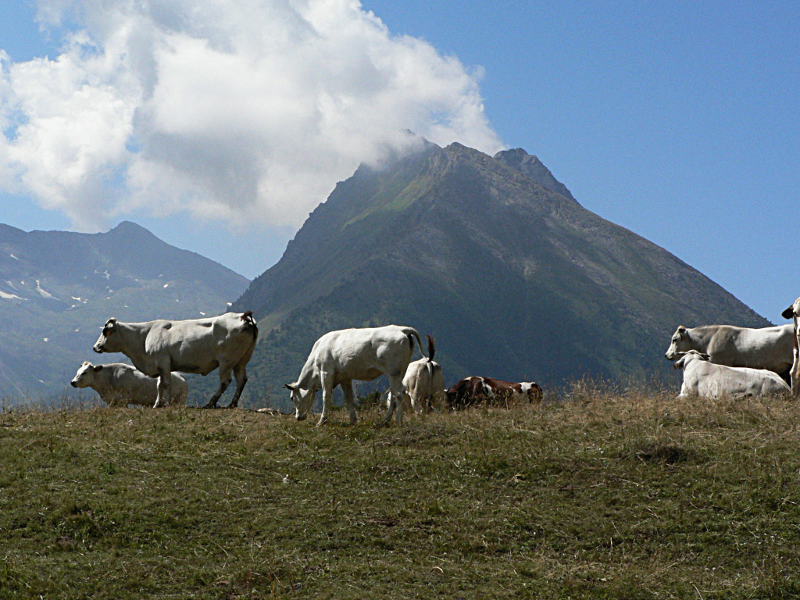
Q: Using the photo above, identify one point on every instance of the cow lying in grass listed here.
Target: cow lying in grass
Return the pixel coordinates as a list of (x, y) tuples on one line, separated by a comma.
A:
[(479, 390), (119, 384), (704, 379)]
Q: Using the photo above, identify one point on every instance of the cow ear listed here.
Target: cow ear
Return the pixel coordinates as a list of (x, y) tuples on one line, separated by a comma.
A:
[(98, 368), (86, 362), (788, 313), (290, 386)]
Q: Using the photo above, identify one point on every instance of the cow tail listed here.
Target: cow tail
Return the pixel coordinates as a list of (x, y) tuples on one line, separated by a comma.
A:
[(413, 333), (250, 323), (431, 347)]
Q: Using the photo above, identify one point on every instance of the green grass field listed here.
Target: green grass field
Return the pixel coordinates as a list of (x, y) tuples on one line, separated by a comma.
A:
[(602, 496)]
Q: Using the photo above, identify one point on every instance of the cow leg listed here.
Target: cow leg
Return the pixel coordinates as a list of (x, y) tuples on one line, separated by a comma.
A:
[(794, 373), (390, 402), (417, 405), (350, 401), (240, 372), (327, 397), (413, 398), (224, 382), (163, 396), (396, 393)]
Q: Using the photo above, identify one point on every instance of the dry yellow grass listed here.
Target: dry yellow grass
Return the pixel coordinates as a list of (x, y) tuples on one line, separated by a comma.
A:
[(605, 495)]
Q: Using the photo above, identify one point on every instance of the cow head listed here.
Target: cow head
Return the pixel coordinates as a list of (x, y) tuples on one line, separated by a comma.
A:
[(684, 358), (302, 399), (680, 342), (84, 377), (533, 390), (792, 311), (109, 338)]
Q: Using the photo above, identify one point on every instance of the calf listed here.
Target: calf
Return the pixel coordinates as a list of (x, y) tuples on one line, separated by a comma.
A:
[(119, 384), (477, 390), (705, 379), (339, 357), (424, 381), (193, 346)]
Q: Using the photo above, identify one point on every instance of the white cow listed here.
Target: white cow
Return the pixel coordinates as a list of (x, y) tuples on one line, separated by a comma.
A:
[(705, 379), (424, 385), (339, 357), (119, 384), (424, 381), (793, 312), (193, 346), (765, 348)]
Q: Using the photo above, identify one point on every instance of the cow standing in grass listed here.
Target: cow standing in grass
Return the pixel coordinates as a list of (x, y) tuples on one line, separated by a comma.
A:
[(793, 312), (424, 381), (339, 357), (119, 384), (157, 348)]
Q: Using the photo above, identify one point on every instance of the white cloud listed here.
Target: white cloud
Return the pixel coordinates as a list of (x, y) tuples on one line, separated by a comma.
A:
[(241, 115)]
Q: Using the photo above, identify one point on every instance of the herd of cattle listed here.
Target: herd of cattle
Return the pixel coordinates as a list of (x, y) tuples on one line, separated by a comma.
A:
[(717, 361)]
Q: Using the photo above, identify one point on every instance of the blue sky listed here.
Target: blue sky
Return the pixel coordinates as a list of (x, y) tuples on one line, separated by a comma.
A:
[(676, 120)]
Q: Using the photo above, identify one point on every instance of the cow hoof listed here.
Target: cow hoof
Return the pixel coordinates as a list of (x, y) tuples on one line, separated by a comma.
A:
[(209, 405), (322, 421)]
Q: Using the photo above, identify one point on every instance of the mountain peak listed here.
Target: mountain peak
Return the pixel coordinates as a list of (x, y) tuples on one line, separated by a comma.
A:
[(531, 166), (129, 228)]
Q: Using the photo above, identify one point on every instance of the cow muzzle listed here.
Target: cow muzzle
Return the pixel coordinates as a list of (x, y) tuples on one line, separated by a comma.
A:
[(98, 348), (73, 383)]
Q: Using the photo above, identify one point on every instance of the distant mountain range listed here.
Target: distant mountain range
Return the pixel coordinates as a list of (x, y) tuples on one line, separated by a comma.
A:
[(496, 259), (57, 289)]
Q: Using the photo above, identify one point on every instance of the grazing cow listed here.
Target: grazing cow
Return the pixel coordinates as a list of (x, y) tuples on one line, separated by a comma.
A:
[(424, 381), (339, 357), (793, 312), (119, 384), (705, 379), (765, 348), (476, 390), (193, 346)]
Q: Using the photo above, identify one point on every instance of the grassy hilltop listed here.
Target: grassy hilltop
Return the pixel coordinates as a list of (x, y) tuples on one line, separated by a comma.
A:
[(602, 496)]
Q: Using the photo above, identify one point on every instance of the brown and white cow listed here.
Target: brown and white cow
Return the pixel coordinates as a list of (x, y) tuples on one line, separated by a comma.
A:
[(477, 390)]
